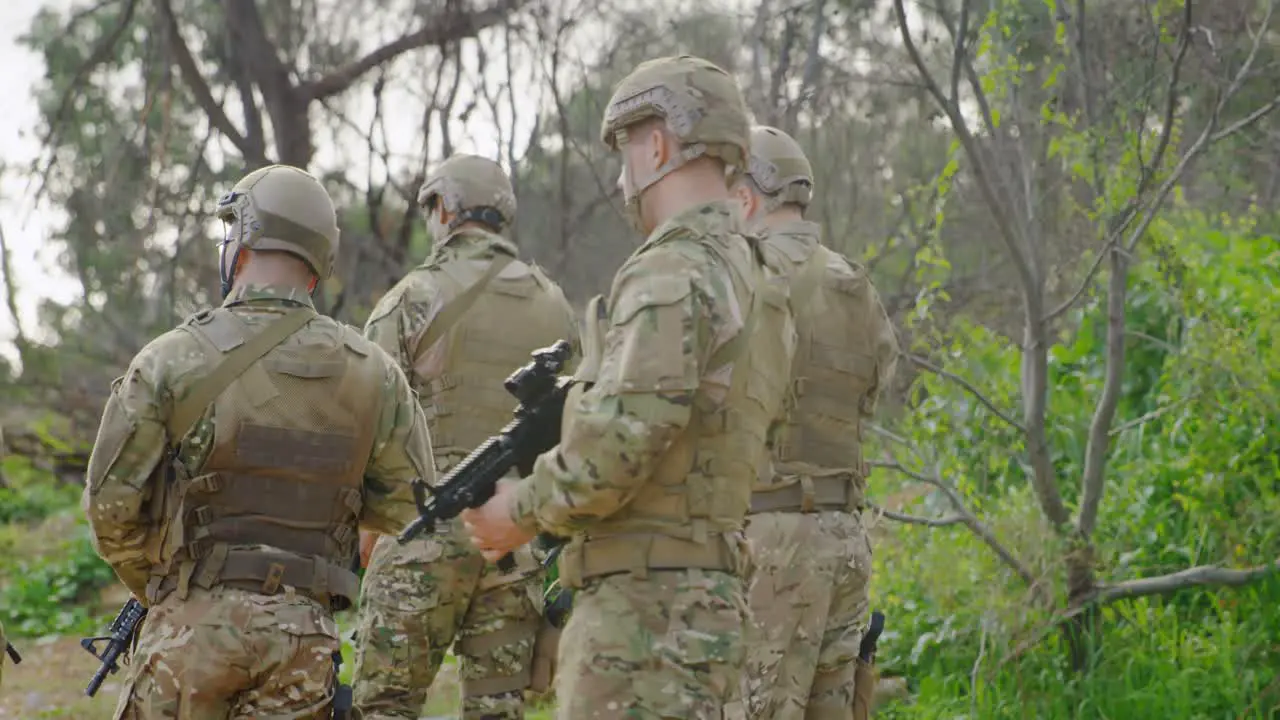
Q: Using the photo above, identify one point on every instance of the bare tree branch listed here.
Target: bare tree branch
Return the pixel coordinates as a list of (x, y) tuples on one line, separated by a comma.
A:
[(194, 79), (1036, 342), (1199, 576), (1093, 478), (105, 50), (977, 394), (450, 27), (11, 296), (944, 521), (969, 520)]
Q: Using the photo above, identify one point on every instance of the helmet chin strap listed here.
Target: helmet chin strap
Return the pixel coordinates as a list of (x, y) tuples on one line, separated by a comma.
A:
[(228, 274)]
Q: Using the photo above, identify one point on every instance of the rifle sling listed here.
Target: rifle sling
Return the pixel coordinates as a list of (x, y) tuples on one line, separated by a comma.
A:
[(207, 389), (453, 311)]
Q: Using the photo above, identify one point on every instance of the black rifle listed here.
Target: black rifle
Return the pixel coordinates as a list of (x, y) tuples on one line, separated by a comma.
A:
[(541, 392), (867, 650), (342, 697), (13, 653), (122, 631)]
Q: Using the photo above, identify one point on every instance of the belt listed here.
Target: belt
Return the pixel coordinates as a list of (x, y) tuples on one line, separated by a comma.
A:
[(811, 494), (638, 553)]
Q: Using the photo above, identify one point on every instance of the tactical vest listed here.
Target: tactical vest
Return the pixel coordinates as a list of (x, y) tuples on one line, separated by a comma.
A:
[(278, 498), (690, 513), (817, 452), (496, 329)]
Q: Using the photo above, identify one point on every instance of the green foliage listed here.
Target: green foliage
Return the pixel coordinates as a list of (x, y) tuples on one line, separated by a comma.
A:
[(1194, 478), (46, 594), (31, 495)]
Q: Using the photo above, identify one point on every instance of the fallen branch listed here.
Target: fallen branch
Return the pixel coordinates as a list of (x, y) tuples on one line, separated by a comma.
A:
[(1105, 594), (1199, 576)]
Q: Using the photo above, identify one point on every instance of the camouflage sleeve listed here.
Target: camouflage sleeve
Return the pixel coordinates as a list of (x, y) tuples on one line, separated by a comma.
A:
[(129, 447), (641, 401), (401, 456)]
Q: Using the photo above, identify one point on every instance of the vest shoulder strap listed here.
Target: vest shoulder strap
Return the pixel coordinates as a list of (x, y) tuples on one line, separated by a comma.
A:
[(234, 364), (453, 310), (807, 279)]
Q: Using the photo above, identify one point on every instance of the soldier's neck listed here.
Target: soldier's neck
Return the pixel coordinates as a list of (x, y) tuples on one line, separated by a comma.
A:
[(678, 192), (275, 271), (784, 215)]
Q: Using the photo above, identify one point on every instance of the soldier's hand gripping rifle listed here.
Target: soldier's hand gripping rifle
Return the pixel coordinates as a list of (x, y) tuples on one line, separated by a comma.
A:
[(122, 631), (541, 392)]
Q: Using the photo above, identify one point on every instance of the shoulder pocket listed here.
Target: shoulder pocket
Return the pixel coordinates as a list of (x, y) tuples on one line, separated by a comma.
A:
[(658, 291)]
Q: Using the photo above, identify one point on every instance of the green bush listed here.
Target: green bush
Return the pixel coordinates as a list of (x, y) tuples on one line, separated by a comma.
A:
[(1193, 478), (48, 593), (31, 495)]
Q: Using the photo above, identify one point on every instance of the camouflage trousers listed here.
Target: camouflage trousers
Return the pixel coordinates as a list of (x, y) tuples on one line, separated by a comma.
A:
[(809, 610), (227, 653), (667, 646), (3, 655), (419, 599)]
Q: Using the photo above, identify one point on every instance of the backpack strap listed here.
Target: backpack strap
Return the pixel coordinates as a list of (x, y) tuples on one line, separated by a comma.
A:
[(234, 364), (453, 310)]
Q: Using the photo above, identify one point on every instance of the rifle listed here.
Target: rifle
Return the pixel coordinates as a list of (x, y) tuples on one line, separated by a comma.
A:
[(541, 391), (342, 697), (865, 674), (13, 653), (122, 631), (867, 650)]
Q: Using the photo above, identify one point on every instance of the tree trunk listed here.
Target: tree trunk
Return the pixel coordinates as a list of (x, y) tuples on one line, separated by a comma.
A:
[(1081, 629)]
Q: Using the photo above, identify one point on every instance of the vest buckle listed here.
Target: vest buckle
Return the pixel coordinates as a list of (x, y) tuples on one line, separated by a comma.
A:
[(271, 583)]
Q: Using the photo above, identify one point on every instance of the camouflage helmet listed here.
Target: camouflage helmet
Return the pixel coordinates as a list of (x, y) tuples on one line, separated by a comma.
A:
[(779, 168), (472, 188), (701, 103), (280, 207)]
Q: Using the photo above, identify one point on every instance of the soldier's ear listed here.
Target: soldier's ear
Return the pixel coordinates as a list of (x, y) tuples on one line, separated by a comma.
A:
[(746, 198), (658, 148)]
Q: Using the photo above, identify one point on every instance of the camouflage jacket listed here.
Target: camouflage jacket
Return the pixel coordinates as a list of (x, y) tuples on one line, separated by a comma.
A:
[(653, 370), (122, 474)]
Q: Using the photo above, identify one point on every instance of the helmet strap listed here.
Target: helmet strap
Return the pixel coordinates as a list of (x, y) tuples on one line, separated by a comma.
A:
[(487, 216), (227, 272)]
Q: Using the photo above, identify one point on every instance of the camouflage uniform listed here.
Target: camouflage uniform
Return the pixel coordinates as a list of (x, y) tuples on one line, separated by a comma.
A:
[(813, 557), (418, 598), (238, 534), (652, 477)]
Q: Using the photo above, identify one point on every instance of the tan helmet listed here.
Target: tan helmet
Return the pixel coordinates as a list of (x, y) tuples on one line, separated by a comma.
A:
[(779, 168), (701, 103), (473, 189), (284, 208)]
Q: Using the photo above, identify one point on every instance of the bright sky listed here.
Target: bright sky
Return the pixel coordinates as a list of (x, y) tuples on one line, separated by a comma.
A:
[(25, 226)]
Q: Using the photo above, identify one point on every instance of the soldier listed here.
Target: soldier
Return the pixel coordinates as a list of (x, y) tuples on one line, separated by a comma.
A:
[(458, 325), (236, 459), (652, 477), (813, 558)]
